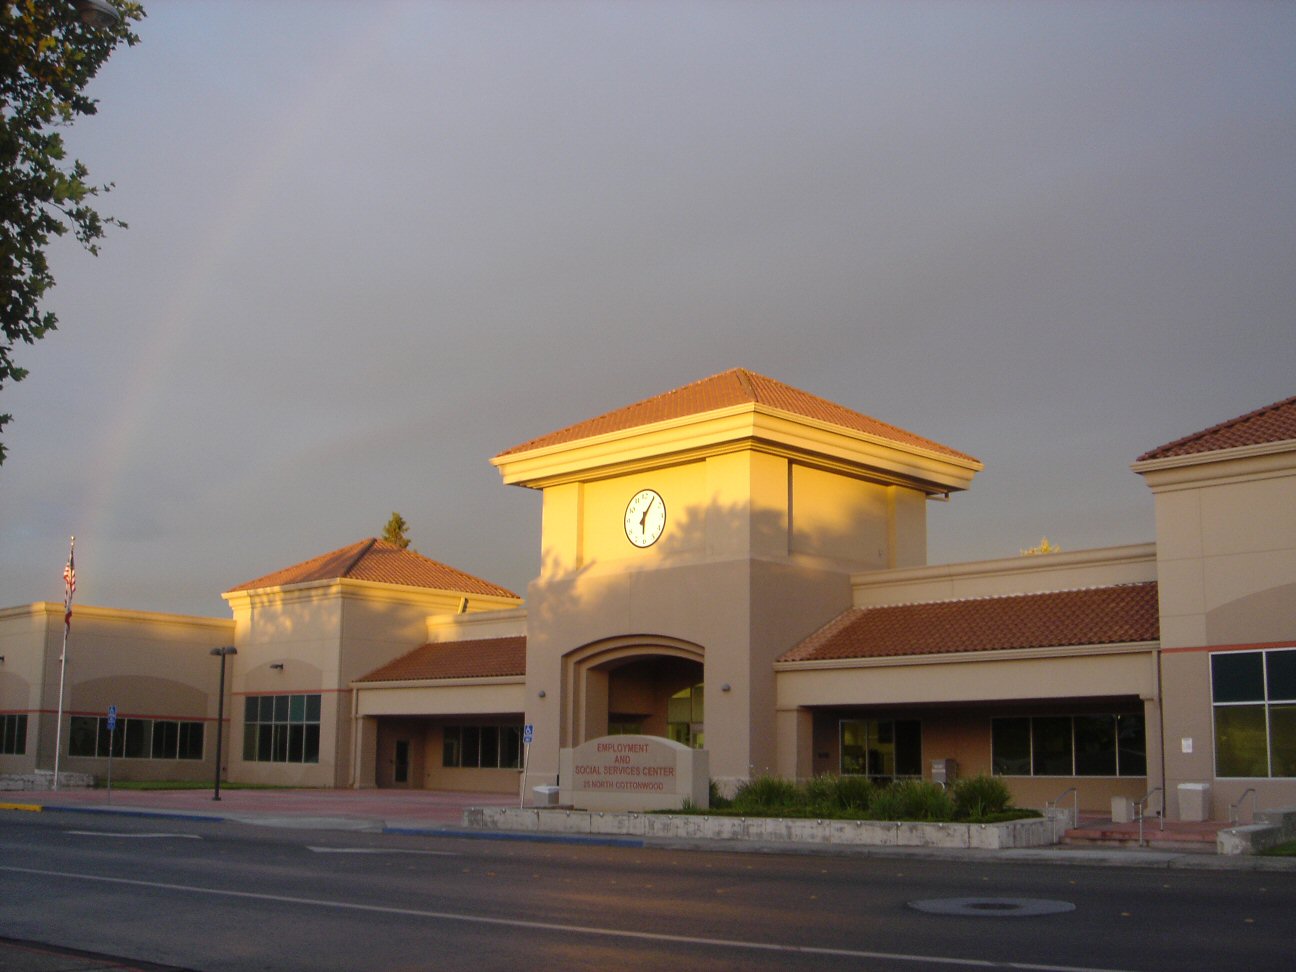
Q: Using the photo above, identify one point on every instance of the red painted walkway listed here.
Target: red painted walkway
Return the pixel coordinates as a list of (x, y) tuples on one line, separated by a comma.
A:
[(392, 806)]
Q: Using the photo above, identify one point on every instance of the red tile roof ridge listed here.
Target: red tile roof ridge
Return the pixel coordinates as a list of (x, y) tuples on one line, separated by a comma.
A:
[(1113, 614), (498, 657), (378, 561), (1275, 422), (737, 386)]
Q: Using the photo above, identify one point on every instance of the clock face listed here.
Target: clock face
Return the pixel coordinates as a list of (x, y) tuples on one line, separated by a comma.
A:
[(645, 518)]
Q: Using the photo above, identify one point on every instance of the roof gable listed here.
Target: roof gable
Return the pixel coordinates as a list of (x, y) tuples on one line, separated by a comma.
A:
[(1121, 614), (484, 658), (725, 390), (379, 562), (1273, 423)]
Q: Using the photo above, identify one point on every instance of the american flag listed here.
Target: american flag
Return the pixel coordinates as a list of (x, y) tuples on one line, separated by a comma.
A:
[(69, 584)]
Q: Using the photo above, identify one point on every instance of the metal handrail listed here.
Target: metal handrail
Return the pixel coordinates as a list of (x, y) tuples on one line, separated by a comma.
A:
[(1075, 813), (1233, 808), (1141, 802)]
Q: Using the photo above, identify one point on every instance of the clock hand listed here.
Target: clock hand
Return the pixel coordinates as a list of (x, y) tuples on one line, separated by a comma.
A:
[(643, 520)]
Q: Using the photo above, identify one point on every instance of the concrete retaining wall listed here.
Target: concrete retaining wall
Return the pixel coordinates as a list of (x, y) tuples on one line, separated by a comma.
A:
[(1272, 827), (1036, 832)]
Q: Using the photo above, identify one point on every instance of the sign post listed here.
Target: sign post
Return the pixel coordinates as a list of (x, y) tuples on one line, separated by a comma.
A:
[(112, 729), (528, 734)]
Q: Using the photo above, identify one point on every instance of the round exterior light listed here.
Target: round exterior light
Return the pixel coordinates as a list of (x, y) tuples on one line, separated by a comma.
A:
[(97, 13)]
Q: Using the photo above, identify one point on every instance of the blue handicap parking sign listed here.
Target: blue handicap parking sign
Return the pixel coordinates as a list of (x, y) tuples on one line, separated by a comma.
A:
[(112, 717), (528, 733)]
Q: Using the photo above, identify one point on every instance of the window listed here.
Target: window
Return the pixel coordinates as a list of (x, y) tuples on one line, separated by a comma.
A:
[(493, 746), (13, 735), (1081, 745), (1254, 696), (685, 717), (135, 738), (880, 748), (281, 728)]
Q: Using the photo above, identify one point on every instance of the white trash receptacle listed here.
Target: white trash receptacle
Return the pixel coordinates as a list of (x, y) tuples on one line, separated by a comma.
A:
[(1194, 802), (546, 796)]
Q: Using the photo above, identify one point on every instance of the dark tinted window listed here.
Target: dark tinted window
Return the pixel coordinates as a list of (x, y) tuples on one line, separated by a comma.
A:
[(1238, 676)]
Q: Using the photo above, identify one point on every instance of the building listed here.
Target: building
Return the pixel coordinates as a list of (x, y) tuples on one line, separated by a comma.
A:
[(741, 566)]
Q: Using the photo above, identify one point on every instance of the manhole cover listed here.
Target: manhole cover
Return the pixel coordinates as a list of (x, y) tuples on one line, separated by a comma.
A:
[(992, 907)]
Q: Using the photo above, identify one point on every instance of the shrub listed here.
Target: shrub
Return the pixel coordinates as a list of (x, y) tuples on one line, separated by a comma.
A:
[(912, 800), (980, 796), (764, 793), (853, 792), (820, 794)]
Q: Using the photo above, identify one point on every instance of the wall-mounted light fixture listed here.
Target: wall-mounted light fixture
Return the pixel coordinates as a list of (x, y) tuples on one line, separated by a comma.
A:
[(541, 693), (277, 666), (724, 687)]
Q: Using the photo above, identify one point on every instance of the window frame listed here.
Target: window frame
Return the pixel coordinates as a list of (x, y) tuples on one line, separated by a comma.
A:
[(507, 744), (1034, 760), (13, 734), (282, 728), (1265, 705)]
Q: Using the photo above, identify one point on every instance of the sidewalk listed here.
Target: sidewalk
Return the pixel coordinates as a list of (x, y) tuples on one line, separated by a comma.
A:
[(372, 810), (441, 813)]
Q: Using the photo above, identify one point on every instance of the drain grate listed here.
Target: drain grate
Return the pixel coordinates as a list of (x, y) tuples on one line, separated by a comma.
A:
[(992, 907)]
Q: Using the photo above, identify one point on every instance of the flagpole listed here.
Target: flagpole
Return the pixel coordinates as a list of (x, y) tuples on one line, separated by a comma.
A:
[(69, 587)]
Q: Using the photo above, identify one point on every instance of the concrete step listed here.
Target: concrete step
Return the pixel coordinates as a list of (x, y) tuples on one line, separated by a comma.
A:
[(1176, 836)]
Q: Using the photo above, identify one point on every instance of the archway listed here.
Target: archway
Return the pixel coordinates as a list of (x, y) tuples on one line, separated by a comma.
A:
[(641, 684)]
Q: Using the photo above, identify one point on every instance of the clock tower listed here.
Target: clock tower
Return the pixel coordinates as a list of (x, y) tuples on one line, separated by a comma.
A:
[(690, 539)]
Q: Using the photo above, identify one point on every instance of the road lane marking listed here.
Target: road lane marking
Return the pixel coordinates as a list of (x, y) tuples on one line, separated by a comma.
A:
[(380, 850), (551, 926), (113, 833)]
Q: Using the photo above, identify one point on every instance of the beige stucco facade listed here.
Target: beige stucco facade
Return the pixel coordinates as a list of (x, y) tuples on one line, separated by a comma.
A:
[(152, 667), (685, 557), (1226, 560)]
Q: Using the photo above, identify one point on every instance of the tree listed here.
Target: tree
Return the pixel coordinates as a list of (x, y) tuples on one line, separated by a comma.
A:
[(48, 56), (395, 530)]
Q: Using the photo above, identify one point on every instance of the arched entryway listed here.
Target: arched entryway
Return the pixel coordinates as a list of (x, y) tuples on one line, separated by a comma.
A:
[(646, 685)]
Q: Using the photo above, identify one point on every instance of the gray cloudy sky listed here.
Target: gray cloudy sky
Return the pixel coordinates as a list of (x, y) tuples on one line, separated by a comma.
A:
[(373, 244)]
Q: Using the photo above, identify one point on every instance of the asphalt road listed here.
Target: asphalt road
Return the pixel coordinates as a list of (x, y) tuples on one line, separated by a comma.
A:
[(221, 896)]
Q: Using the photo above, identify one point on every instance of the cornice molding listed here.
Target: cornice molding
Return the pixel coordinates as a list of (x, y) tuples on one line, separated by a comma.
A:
[(736, 428)]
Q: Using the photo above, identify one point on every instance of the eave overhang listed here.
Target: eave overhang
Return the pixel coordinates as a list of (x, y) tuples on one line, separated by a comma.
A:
[(748, 426)]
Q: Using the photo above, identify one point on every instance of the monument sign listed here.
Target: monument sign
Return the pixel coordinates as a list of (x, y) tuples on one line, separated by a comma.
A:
[(633, 773)]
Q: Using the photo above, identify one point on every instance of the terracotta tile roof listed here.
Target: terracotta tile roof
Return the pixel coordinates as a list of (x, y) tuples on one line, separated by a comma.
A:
[(1273, 423), (1089, 616), (735, 387), (485, 658), (381, 562)]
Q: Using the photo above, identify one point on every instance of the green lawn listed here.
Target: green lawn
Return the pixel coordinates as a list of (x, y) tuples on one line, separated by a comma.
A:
[(1282, 850)]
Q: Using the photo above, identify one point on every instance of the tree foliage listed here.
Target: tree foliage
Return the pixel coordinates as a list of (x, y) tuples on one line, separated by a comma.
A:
[(48, 56), (395, 530)]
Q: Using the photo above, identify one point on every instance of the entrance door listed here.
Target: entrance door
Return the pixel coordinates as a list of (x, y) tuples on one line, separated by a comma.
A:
[(400, 768)]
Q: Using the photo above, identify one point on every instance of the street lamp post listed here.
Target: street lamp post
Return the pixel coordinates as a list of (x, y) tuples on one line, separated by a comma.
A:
[(97, 13), (220, 710)]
